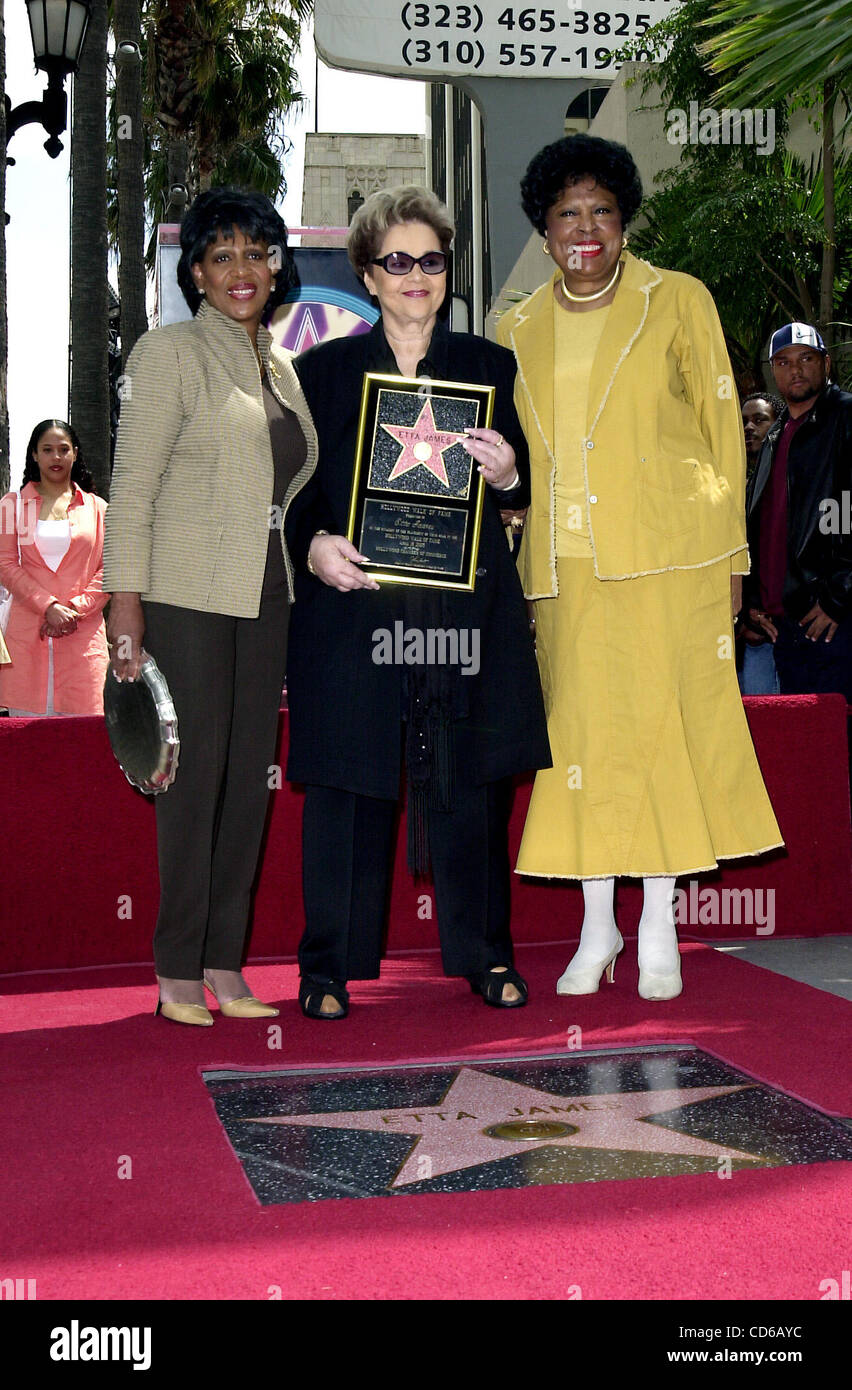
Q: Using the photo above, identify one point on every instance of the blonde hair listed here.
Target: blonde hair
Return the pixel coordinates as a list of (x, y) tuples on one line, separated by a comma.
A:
[(388, 208)]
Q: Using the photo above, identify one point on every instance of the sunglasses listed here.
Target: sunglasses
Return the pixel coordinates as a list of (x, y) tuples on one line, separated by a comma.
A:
[(400, 263)]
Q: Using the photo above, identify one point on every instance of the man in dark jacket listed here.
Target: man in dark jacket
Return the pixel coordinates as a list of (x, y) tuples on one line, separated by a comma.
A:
[(799, 593)]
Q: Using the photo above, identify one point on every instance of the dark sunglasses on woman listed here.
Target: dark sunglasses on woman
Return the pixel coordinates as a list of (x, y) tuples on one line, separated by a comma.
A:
[(400, 263)]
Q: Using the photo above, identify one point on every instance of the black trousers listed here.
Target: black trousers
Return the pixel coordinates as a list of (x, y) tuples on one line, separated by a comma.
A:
[(813, 668), (225, 675), (348, 850)]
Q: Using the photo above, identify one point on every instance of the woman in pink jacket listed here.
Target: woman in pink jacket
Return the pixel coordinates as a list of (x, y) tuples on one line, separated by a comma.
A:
[(51, 561)]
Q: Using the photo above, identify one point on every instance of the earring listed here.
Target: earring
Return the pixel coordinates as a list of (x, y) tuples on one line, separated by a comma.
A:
[(545, 248), (624, 241)]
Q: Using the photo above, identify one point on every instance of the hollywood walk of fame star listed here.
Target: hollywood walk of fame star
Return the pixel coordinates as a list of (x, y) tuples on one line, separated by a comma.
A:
[(460, 1132), (422, 443)]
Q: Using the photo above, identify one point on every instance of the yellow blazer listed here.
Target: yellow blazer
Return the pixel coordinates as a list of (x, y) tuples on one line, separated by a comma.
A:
[(664, 454)]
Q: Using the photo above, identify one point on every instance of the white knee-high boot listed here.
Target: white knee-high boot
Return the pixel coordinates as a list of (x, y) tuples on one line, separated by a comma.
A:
[(600, 941), (659, 959)]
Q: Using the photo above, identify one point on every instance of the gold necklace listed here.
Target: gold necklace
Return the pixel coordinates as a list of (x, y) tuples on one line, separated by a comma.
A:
[(587, 298)]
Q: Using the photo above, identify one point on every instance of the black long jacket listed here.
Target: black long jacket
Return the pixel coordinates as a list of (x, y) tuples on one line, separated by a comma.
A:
[(346, 710), (819, 479)]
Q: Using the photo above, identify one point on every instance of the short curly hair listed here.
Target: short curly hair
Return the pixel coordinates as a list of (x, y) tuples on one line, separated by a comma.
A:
[(221, 210), (774, 402), (388, 208), (577, 157)]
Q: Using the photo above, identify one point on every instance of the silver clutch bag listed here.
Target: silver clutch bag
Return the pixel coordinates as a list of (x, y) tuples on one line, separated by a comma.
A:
[(142, 727)]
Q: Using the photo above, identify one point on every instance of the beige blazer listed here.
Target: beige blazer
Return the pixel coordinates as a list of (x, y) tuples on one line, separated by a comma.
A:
[(663, 454), (189, 515)]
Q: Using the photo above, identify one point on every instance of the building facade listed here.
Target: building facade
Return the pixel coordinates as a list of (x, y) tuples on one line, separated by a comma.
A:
[(342, 170)]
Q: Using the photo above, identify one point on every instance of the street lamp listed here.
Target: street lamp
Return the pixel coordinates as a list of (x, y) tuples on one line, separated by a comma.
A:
[(58, 31)]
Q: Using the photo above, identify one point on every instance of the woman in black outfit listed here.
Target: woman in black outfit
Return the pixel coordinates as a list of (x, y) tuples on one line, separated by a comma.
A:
[(354, 722)]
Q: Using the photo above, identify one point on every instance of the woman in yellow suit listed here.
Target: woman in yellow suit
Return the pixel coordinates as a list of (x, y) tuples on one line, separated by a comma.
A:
[(633, 546)]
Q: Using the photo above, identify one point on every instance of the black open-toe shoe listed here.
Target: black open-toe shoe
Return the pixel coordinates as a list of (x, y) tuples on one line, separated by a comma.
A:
[(312, 990), (490, 985)]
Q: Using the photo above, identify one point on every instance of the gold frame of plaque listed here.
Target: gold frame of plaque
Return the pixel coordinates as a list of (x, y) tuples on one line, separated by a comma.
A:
[(435, 502)]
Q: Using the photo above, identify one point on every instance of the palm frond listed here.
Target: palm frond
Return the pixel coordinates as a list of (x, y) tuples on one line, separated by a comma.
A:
[(768, 50)]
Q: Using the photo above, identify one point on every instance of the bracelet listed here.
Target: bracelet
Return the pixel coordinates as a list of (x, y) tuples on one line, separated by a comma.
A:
[(310, 562)]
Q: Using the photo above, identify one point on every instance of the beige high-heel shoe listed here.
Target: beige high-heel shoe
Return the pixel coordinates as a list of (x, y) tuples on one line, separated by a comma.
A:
[(245, 1007), (196, 1014), (659, 957), (587, 979), (660, 986), (660, 982)]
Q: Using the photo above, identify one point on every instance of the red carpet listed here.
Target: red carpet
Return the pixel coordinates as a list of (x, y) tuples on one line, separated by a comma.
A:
[(92, 1080), (64, 787)]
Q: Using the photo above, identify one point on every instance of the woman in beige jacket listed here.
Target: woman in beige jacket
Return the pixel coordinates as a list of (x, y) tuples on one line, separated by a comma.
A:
[(214, 442), (634, 540)]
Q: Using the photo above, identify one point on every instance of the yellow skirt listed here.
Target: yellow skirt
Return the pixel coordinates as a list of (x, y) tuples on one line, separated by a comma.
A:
[(654, 771)]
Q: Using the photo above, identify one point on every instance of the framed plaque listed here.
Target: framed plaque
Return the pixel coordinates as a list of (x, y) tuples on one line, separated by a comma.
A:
[(416, 504)]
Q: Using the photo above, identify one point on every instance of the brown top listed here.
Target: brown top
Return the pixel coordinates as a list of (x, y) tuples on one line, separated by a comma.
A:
[(289, 452)]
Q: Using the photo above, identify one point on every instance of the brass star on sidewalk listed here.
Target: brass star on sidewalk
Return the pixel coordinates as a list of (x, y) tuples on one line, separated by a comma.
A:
[(422, 443), (484, 1117)]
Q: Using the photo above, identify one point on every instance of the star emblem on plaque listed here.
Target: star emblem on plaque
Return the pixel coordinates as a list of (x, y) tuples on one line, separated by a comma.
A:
[(466, 1126), (424, 446), (416, 502)]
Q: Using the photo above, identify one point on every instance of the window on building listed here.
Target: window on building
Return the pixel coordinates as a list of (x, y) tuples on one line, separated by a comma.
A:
[(583, 109)]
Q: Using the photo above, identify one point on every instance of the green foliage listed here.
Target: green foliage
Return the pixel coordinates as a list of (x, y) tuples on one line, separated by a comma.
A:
[(750, 226), (681, 71), (769, 50), (244, 79), (754, 239), (218, 74)]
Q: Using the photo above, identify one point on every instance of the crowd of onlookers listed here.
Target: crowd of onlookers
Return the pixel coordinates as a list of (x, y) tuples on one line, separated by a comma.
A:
[(795, 625)]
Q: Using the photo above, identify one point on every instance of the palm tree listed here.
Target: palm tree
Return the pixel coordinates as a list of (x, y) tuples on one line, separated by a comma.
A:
[(755, 239), (172, 41), (130, 175), (245, 80), (90, 398), (775, 50), (770, 50), (220, 76), (4, 331)]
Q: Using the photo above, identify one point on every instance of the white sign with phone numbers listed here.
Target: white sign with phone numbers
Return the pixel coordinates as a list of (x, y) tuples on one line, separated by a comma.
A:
[(486, 38)]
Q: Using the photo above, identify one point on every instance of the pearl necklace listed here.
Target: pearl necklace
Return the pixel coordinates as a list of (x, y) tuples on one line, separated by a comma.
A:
[(587, 298)]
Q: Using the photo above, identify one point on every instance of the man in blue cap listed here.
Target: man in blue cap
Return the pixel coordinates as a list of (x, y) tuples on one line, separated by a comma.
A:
[(798, 597)]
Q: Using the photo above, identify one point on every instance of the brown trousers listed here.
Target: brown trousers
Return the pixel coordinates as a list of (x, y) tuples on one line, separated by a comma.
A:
[(225, 675)]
